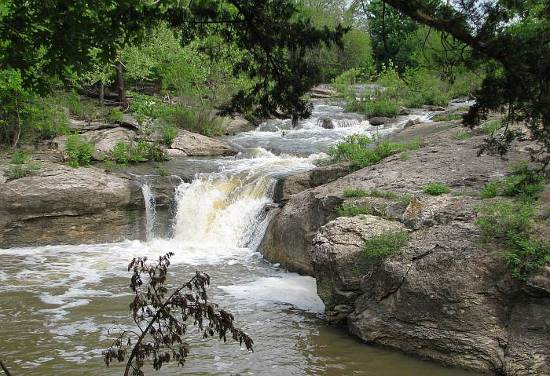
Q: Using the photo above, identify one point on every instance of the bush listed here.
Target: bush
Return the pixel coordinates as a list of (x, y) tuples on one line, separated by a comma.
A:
[(17, 171), (436, 189), (523, 182), (491, 127), (525, 256), (462, 135), (382, 107), (169, 133), (351, 210), (355, 193), (503, 218), (20, 157), (140, 151), (364, 151), (447, 117), (386, 244), (78, 151), (510, 223), (116, 116)]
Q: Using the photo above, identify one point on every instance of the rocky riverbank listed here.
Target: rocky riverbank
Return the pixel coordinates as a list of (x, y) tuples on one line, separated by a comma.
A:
[(446, 296)]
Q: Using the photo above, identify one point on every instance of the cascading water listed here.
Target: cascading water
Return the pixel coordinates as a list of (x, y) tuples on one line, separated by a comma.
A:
[(61, 301), (150, 210)]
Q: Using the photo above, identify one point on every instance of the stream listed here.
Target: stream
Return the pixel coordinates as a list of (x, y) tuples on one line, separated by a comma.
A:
[(59, 304)]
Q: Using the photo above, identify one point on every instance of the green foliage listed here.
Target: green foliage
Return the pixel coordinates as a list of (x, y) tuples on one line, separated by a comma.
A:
[(352, 210), (447, 117), (526, 255), (201, 120), (386, 244), (381, 107), (523, 182), (17, 171), (491, 126), (169, 133), (133, 152), (501, 218), (436, 189), (116, 116), (462, 135), (352, 192), (20, 157), (161, 170), (364, 151), (510, 223), (78, 151)]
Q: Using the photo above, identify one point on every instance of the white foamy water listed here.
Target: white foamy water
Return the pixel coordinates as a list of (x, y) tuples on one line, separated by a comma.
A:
[(61, 301), (150, 210)]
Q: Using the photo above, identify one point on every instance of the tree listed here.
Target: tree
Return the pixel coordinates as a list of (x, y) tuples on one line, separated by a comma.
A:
[(55, 38), (516, 36), (161, 318)]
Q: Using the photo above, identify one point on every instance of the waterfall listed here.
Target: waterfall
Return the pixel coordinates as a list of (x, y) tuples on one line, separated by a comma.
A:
[(231, 211), (150, 210)]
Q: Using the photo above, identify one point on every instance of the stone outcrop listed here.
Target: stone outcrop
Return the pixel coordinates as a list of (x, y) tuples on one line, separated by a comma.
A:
[(194, 144), (62, 205), (445, 295)]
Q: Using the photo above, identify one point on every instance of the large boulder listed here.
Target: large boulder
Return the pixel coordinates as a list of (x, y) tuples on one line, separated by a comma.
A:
[(379, 120), (62, 205), (194, 144), (443, 297)]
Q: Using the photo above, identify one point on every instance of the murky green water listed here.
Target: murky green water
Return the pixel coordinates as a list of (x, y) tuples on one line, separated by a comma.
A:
[(60, 304)]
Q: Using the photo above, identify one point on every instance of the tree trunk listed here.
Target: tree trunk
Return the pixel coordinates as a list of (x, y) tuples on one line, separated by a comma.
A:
[(120, 84), (17, 134), (101, 92)]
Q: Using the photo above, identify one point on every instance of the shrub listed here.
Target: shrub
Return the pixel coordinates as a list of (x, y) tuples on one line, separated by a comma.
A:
[(523, 182), (525, 256), (351, 210), (116, 116), (447, 117), (169, 133), (140, 151), (362, 150), (17, 171), (386, 244), (510, 223), (490, 190), (78, 151), (20, 157), (462, 135), (355, 193), (436, 189), (503, 218), (381, 107), (491, 127)]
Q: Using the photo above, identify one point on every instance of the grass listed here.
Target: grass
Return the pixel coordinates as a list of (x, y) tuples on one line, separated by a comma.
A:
[(196, 119), (385, 245), (447, 117), (523, 182), (381, 107), (357, 193), (169, 133), (436, 189), (510, 223), (351, 210), (365, 151), (20, 157), (133, 152), (79, 152), (462, 135), (491, 126), (17, 171)]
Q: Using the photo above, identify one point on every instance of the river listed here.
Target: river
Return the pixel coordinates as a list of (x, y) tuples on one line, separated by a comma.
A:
[(59, 304)]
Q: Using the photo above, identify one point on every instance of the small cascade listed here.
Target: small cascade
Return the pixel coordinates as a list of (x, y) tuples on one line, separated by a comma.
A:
[(150, 210), (225, 210)]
